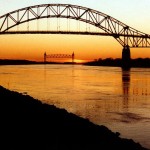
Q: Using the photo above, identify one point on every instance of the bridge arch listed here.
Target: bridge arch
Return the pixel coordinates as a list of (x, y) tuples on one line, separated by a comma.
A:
[(124, 34)]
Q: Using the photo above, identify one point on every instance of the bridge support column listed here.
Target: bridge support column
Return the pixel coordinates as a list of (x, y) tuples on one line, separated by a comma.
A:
[(45, 57), (126, 57), (73, 57)]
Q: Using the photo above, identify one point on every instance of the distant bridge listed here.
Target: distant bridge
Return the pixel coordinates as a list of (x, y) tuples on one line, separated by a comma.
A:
[(127, 36), (72, 56)]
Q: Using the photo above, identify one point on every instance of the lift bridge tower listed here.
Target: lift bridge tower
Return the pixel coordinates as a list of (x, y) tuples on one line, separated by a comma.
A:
[(72, 56)]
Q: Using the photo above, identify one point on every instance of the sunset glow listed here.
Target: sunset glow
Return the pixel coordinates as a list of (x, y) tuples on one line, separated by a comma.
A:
[(86, 47), (79, 68)]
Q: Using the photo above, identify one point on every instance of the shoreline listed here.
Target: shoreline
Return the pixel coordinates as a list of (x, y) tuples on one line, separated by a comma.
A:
[(108, 62), (27, 123)]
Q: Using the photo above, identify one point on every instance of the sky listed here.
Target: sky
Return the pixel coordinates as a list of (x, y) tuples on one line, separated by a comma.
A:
[(135, 13)]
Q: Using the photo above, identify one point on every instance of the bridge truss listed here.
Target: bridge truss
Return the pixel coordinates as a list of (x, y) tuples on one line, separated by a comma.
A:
[(125, 35), (72, 56)]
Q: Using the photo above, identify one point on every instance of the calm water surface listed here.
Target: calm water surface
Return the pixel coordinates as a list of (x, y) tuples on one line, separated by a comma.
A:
[(106, 96)]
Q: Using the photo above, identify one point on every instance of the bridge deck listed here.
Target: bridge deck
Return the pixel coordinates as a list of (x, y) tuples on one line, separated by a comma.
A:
[(70, 32)]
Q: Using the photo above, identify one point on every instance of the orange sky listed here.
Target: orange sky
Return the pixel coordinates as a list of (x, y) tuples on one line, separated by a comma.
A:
[(32, 47), (86, 47)]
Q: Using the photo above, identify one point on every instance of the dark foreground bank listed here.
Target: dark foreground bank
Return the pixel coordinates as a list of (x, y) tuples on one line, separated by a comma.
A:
[(27, 124)]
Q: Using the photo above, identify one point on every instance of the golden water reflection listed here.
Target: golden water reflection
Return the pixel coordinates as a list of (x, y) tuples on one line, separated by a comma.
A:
[(126, 83), (119, 99)]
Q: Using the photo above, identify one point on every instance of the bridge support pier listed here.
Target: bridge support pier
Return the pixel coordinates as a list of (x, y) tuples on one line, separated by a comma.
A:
[(73, 57), (44, 57), (126, 57)]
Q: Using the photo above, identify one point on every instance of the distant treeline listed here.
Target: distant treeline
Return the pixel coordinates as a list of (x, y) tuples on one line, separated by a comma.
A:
[(27, 62), (139, 62), (15, 62)]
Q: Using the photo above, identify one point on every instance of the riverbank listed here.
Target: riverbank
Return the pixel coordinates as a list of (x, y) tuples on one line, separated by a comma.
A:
[(134, 63), (28, 62), (26, 123)]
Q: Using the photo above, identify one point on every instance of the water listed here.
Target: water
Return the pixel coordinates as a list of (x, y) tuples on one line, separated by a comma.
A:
[(106, 96)]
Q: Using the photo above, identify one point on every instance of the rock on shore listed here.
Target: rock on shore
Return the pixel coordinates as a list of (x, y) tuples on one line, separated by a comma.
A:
[(27, 124)]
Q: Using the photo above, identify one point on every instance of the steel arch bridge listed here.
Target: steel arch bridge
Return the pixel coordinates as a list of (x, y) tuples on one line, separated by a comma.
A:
[(125, 35)]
